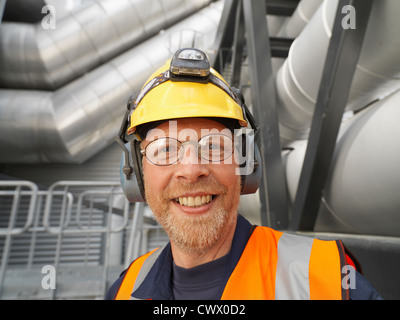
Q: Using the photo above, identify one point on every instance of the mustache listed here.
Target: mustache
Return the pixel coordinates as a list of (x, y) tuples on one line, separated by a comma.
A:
[(208, 185)]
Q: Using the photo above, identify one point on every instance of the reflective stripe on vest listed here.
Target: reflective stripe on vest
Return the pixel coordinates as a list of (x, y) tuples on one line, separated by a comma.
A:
[(273, 265), (307, 269), (292, 282), (276, 265), (136, 273)]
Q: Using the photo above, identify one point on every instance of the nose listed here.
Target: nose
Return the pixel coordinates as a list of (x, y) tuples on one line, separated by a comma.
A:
[(189, 153), (190, 166)]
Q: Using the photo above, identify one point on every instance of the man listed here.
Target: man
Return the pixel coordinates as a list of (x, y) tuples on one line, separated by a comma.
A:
[(187, 150)]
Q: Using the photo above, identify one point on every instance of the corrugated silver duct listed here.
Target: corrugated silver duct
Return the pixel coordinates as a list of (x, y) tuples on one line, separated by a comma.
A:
[(299, 77), (80, 119), (35, 57), (63, 7)]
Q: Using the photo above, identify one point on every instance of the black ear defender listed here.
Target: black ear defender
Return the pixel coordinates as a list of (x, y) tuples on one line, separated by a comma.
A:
[(131, 176), (250, 157)]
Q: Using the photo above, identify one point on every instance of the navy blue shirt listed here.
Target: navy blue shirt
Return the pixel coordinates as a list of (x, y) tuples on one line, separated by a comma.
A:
[(199, 283), (166, 281)]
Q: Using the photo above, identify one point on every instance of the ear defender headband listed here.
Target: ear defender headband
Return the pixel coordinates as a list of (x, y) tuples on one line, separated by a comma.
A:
[(187, 70)]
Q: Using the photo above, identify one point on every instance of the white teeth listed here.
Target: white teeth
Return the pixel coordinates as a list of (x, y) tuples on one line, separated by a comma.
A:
[(194, 201)]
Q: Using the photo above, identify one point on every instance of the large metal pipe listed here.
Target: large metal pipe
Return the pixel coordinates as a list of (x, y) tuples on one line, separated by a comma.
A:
[(36, 57), (377, 73), (362, 189), (75, 122), (292, 26)]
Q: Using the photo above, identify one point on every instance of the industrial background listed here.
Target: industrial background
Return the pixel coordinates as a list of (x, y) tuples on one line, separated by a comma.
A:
[(321, 77)]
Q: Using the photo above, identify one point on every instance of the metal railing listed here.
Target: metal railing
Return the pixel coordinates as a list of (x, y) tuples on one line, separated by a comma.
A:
[(16, 193), (72, 226), (106, 189)]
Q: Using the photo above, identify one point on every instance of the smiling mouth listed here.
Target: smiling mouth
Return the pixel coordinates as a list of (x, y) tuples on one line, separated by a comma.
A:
[(196, 201)]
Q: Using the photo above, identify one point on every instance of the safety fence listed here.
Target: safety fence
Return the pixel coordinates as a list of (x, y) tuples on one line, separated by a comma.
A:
[(71, 240)]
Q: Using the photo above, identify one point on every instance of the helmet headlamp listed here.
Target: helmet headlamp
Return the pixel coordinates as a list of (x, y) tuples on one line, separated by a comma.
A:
[(188, 63)]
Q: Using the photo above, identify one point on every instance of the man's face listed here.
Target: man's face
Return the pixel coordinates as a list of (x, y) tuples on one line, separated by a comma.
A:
[(193, 200)]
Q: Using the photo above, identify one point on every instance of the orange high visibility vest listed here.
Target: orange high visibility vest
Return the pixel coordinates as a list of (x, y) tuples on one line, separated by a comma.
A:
[(273, 265)]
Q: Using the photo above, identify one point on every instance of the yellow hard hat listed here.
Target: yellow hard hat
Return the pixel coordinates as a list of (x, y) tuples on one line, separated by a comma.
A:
[(185, 87)]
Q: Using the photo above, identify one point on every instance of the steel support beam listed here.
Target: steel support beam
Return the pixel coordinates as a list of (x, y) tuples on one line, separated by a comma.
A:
[(249, 17), (224, 36), (280, 46), (237, 46), (2, 7), (341, 61), (281, 7), (273, 195)]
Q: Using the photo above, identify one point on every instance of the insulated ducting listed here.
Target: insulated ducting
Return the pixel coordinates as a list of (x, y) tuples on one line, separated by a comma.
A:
[(78, 120), (362, 189), (36, 57), (377, 73), (292, 26), (364, 185), (361, 194)]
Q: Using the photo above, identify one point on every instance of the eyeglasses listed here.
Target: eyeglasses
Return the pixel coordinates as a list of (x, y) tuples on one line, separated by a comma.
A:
[(213, 148)]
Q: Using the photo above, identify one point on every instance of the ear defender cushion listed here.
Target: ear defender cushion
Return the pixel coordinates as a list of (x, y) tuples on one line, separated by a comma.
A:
[(251, 182), (249, 164), (137, 165), (131, 186)]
